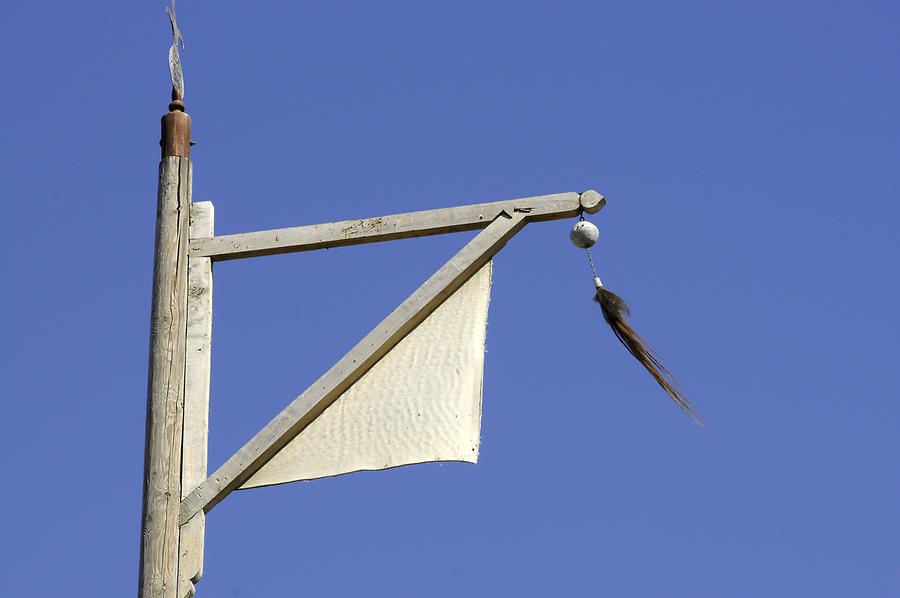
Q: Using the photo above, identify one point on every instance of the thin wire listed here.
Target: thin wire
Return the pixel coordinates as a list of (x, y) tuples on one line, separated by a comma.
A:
[(591, 262)]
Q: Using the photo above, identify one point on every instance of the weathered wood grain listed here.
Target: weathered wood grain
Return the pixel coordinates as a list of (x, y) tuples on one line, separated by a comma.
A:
[(396, 226), (305, 408), (196, 398), (162, 478)]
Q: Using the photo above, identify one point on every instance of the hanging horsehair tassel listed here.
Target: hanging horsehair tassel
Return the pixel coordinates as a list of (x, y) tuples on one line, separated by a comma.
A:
[(584, 235), (615, 311)]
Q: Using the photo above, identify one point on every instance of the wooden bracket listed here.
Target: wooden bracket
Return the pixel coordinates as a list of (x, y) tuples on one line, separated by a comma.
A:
[(500, 221)]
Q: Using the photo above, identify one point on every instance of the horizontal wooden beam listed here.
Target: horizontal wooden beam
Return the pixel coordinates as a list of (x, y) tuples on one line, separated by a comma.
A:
[(396, 226), (314, 400)]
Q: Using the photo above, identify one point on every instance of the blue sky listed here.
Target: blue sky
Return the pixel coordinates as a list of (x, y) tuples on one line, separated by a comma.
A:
[(749, 155)]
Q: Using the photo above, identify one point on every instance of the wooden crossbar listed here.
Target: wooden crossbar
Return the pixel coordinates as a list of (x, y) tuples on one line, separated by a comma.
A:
[(389, 228)]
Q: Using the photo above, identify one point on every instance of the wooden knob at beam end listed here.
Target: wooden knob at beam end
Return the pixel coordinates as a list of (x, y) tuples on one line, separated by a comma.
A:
[(591, 201)]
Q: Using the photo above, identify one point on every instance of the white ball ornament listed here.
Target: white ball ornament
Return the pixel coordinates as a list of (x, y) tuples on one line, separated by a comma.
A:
[(584, 234)]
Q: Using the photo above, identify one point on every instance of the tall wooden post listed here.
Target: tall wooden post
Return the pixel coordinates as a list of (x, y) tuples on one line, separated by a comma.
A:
[(165, 393)]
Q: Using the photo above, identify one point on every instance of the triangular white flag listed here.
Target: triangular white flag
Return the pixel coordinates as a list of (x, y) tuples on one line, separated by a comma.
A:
[(421, 402)]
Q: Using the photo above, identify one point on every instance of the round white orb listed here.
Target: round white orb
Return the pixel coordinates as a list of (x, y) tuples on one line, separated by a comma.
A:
[(584, 234)]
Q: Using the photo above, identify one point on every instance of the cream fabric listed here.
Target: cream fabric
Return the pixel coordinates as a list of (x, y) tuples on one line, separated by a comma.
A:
[(420, 403)]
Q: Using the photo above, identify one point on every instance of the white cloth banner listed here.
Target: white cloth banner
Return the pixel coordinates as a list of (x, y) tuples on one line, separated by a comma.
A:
[(421, 402)]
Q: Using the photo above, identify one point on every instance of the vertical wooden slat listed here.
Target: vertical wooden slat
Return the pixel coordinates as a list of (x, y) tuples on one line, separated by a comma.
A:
[(196, 398), (165, 393)]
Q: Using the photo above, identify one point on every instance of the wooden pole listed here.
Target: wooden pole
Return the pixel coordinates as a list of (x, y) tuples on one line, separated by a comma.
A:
[(158, 577)]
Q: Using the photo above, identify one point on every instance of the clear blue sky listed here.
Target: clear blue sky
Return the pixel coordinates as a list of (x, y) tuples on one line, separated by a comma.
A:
[(749, 152)]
